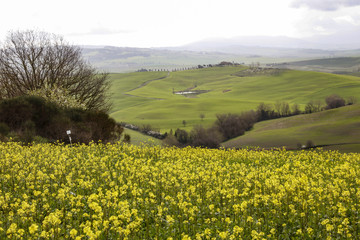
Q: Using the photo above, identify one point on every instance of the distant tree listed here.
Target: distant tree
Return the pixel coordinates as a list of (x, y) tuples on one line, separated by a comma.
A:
[(295, 109), (351, 100), (146, 128), (170, 140), (255, 65), (127, 138), (184, 123), (265, 112), (224, 63), (285, 109), (31, 60), (233, 125), (313, 106), (202, 116), (334, 101), (318, 105), (309, 144), (277, 106), (309, 108), (282, 108), (182, 136), (207, 138)]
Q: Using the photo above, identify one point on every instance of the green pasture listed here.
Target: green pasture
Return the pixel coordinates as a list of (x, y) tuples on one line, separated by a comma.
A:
[(339, 128), (345, 65), (138, 138), (148, 97)]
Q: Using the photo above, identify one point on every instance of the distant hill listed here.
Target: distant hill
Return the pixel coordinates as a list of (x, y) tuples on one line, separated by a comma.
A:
[(342, 65), (153, 97), (333, 129), (122, 59)]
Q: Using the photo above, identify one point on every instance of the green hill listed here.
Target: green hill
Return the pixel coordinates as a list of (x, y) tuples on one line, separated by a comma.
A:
[(343, 65), (150, 97), (138, 138), (339, 128)]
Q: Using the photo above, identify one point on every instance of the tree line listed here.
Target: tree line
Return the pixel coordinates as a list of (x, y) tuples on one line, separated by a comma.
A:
[(228, 126)]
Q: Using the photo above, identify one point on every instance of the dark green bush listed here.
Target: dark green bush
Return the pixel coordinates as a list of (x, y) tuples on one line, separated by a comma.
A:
[(15, 112), (30, 116), (4, 129)]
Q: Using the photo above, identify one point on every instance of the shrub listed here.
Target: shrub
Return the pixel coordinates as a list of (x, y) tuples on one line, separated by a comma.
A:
[(351, 100), (14, 112), (334, 101), (313, 106), (309, 144), (28, 132), (182, 136), (171, 140), (127, 138), (30, 116), (4, 129), (265, 112), (146, 128), (206, 138), (233, 125), (295, 109)]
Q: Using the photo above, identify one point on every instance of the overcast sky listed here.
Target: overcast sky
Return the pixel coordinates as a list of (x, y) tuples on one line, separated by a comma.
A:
[(154, 23)]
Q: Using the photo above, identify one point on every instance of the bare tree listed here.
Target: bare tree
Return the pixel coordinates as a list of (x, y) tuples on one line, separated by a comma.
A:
[(31, 60)]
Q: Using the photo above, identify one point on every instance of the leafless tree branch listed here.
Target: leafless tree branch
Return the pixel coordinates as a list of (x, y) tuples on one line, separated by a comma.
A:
[(30, 60)]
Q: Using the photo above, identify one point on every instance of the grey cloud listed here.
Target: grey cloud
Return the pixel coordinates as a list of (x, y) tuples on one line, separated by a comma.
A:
[(325, 5)]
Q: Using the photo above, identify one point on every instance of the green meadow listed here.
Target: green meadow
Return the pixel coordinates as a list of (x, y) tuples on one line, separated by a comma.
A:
[(138, 138), (336, 129), (149, 98)]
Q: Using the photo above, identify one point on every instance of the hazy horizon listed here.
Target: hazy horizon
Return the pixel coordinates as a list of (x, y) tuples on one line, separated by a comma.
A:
[(173, 23)]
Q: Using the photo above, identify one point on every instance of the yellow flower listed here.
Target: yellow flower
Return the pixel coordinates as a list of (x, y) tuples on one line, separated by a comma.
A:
[(73, 233), (223, 235), (250, 219), (33, 228), (329, 227), (12, 229), (211, 207)]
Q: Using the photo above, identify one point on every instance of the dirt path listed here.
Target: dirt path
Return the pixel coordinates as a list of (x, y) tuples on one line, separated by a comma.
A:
[(144, 84)]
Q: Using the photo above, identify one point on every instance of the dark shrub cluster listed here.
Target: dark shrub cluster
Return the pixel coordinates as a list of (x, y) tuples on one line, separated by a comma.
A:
[(198, 137), (334, 101), (27, 116), (233, 125)]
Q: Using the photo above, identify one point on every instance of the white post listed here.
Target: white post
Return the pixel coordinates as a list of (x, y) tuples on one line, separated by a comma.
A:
[(68, 132)]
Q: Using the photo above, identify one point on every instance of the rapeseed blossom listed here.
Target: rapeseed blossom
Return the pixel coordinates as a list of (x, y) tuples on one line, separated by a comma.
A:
[(115, 191)]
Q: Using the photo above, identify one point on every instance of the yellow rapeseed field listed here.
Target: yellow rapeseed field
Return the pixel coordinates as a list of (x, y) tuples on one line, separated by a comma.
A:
[(115, 191)]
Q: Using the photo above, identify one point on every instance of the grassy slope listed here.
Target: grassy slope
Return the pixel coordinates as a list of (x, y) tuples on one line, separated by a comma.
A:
[(331, 62), (335, 126), (340, 64), (138, 138), (144, 107)]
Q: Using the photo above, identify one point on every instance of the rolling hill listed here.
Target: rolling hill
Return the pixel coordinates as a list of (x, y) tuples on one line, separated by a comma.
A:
[(337, 129), (123, 59), (153, 97), (343, 65)]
